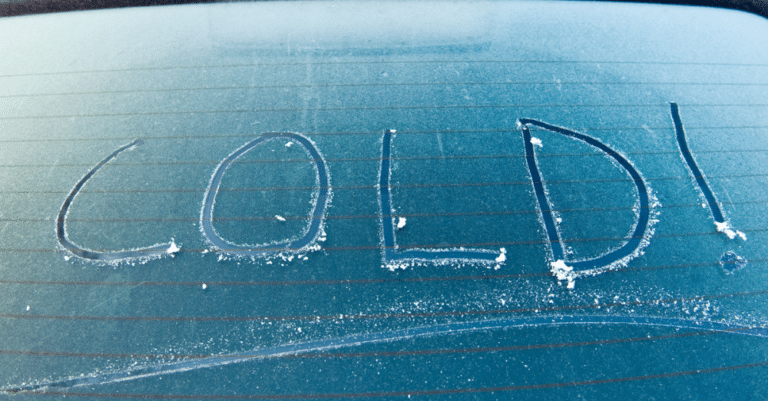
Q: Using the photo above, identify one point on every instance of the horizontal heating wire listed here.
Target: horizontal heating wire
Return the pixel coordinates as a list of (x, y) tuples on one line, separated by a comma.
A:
[(390, 315), (443, 391), (375, 159), (416, 246), (379, 62), (491, 275), (360, 187), (420, 132), (360, 216), (329, 355), (369, 108), (381, 84)]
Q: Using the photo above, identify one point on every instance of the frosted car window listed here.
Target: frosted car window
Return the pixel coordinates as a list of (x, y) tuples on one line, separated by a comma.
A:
[(384, 200)]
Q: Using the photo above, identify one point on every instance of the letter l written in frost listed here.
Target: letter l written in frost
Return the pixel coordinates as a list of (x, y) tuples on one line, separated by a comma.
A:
[(138, 254), (392, 257)]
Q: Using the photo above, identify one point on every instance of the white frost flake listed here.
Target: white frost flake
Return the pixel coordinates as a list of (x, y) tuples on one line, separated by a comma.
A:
[(400, 223), (536, 142), (502, 255), (173, 248), (563, 272), (281, 218), (288, 145), (726, 228), (205, 286)]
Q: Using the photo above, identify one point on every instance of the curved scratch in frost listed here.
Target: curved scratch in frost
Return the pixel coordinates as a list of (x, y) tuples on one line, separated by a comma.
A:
[(151, 252), (315, 219), (385, 337), (714, 206), (394, 258), (635, 242)]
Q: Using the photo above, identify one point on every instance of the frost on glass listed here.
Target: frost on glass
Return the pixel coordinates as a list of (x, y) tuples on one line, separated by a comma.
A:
[(357, 340)]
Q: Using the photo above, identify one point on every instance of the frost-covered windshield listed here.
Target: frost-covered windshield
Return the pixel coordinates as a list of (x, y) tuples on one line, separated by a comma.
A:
[(384, 200)]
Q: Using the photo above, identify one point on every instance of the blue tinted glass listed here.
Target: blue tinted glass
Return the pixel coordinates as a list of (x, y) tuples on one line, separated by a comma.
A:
[(384, 200)]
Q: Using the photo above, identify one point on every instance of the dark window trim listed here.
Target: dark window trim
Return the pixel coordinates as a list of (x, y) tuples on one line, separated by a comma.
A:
[(25, 7)]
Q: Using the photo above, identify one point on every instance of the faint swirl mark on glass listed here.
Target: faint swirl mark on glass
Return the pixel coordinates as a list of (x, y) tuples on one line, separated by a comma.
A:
[(357, 340)]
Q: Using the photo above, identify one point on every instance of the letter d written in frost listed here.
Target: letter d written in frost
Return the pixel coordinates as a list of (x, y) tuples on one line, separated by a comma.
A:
[(613, 259), (116, 257), (320, 202), (393, 258)]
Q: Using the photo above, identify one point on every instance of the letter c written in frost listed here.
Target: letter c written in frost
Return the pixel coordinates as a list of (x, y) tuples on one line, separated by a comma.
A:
[(315, 227), (115, 257)]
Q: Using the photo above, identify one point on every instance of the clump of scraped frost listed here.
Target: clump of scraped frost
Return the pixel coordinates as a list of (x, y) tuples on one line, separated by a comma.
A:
[(173, 248), (400, 223), (280, 218), (502, 255), (288, 145), (726, 228), (563, 272), (536, 142)]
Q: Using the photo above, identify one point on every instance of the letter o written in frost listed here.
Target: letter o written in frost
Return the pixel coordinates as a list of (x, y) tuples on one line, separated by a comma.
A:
[(320, 202)]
